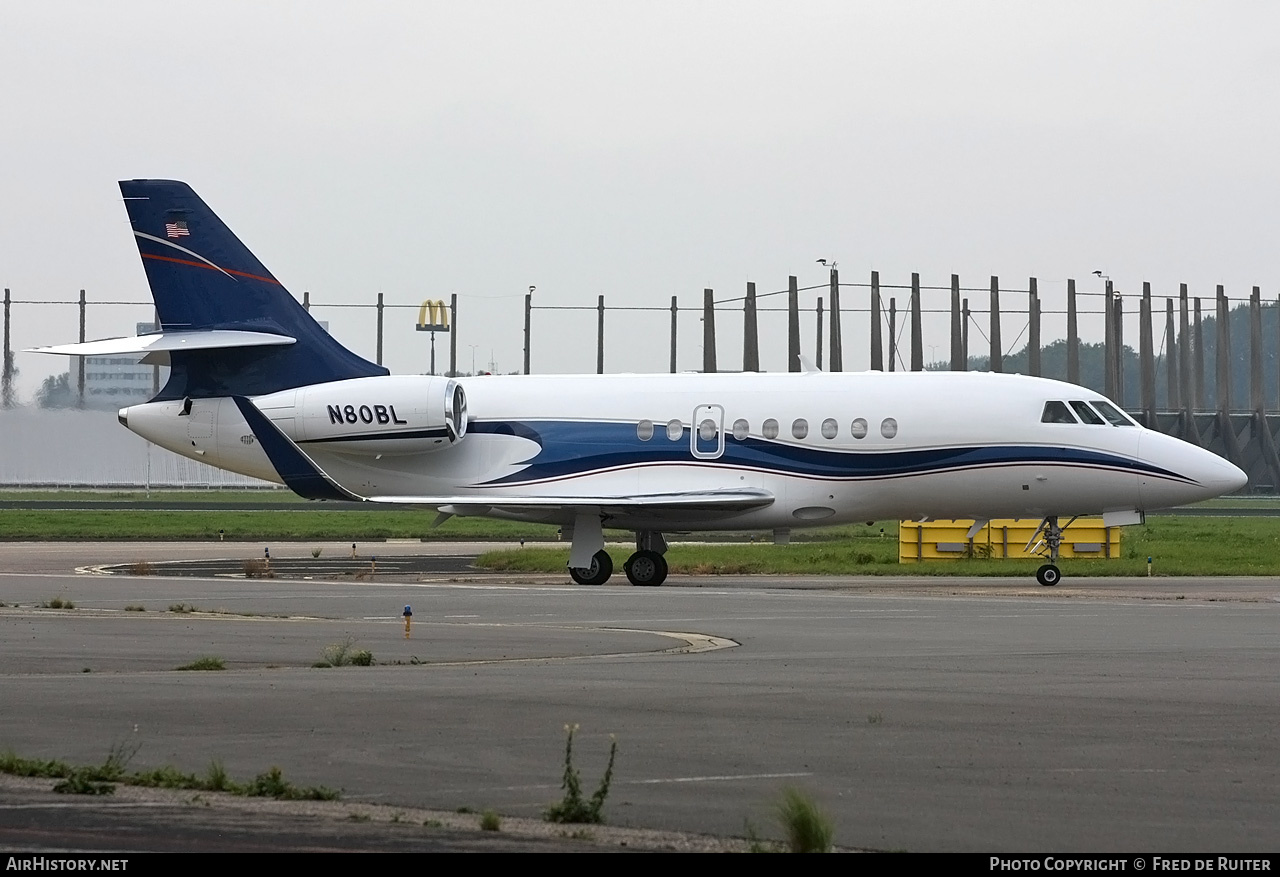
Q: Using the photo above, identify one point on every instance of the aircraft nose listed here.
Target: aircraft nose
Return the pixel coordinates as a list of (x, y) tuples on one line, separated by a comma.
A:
[(1197, 474)]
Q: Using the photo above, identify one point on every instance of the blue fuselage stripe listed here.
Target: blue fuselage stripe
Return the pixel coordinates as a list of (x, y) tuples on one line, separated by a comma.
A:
[(572, 449)]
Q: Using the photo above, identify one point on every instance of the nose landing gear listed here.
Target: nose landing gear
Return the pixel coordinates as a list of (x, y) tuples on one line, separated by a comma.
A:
[(1049, 574)]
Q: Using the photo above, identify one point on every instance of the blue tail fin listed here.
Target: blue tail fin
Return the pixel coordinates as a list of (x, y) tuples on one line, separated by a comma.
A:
[(202, 278)]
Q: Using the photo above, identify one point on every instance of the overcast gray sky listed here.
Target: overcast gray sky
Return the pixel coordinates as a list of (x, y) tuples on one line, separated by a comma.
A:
[(639, 150)]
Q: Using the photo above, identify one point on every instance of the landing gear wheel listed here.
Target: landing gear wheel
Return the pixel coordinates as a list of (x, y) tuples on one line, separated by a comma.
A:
[(598, 573), (646, 568), (1048, 575)]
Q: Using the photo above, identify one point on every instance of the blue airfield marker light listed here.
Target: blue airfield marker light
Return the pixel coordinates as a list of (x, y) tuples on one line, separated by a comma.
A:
[(1148, 565), (408, 619)]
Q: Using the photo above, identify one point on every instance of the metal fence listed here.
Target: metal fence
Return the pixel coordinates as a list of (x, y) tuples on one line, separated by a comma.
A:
[(1204, 368)]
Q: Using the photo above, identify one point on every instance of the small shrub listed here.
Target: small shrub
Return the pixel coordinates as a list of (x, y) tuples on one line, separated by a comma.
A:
[(315, 552), (81, 783), (216, 779), (807, 828), (572, 808), (875, 718), (268, 785), (256, 567), (490, 821), (344, 654), (135, 609), (141, 568), (181, 608), (206, 663), (59, 603)]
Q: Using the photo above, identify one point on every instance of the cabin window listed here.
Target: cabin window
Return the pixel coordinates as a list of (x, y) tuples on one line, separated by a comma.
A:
[(858, 429), (888, 427), (741, 429), (1087, 414), (644, 430), (675, 430), (799, 428), (830, 428), (707, 430), (769, 429), (1056, 412), (1112, 413)]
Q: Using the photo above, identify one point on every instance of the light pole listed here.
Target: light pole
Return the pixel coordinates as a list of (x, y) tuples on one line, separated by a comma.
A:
[(473, 357)]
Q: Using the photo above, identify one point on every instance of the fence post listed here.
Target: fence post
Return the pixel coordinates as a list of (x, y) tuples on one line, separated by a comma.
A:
[(877, 347), (380, 310), (793, 324), (1255, 351), (708, 332), (997, 356), (1146, 358), (80, 359), (818, 337), (1173, 362), (1201, 400), (6, 381), (750, 332), (1184, 349), (964, 335), (917, 331), (1073, 336), (957, 353), (453, 334), (1117, 315), (1223, 344), (893, 333), (528, 310), (1033, 328), (674, 312), (600, 335), (837, 342)]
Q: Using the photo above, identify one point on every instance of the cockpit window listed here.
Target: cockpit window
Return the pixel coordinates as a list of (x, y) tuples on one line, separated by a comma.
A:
[(1112, 413), (1056, 412), (1087, 414)]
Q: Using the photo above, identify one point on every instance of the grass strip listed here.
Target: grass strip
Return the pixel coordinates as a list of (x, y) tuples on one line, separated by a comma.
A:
[(1178, 546), (100, 779)]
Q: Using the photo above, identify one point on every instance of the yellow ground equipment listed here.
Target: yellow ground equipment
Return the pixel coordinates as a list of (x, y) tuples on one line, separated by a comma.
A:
[(950, 540)]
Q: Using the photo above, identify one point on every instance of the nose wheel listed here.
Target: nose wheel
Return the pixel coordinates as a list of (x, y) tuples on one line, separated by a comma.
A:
[(596, 574), (1048, 575)]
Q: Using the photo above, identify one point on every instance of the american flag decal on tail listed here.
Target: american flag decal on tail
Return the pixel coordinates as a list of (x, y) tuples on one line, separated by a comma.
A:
[(176, 229)]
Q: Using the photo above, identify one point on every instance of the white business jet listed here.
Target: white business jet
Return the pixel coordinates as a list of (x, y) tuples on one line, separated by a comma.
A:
[(257, 387)]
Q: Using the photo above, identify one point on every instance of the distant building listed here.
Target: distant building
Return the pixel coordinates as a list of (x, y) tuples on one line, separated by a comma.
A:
[(116, 381)]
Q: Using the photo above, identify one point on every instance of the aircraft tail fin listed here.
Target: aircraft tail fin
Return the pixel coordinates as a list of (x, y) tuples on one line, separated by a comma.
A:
[(204, 280)]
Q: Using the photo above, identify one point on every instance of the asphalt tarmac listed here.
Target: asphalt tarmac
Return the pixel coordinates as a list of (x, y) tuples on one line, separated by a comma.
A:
[(971, 715)]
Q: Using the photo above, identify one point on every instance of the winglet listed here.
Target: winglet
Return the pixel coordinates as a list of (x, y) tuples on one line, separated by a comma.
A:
[(806, 364), (300, 473)]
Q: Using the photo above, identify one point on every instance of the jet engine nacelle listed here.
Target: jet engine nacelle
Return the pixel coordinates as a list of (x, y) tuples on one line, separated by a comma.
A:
[(390, 415)]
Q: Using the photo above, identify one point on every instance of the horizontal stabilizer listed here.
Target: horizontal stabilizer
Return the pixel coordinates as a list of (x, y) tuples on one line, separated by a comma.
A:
[(164, 342)]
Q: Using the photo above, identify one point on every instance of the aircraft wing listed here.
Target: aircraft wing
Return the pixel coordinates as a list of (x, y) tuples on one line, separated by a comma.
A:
[(305, 477), (710, 502)]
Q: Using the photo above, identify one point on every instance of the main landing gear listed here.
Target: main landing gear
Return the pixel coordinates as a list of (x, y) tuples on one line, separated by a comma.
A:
[(646, 567), (1049, 574)]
